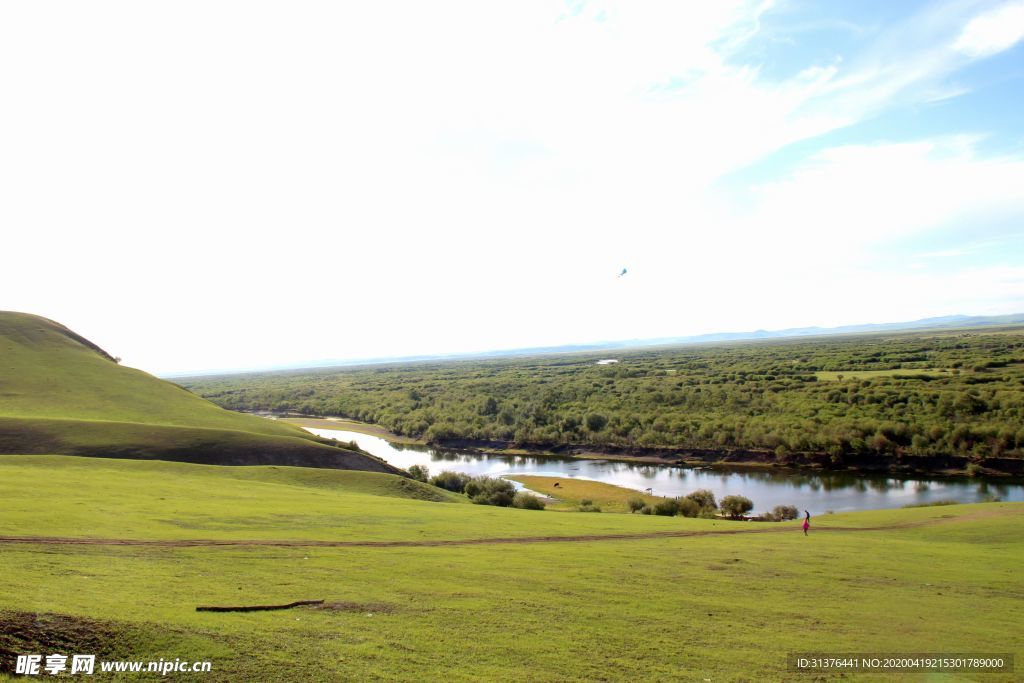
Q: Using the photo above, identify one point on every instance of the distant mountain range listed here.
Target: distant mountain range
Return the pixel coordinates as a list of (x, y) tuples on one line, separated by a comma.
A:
[(948, 321), (923, 324)]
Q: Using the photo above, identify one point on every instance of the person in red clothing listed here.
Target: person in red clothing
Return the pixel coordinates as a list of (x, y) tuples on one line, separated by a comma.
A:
[(807, 522)]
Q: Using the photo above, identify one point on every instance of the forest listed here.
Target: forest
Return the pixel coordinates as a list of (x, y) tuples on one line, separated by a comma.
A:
[(952, 392)]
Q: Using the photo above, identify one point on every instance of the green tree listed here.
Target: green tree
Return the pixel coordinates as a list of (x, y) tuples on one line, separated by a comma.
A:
[(781, 513), (704, 498), (596, 422), (736, 506)]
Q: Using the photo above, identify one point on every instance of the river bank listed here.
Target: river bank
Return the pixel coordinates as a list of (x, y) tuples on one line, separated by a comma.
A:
[(1008, 469)]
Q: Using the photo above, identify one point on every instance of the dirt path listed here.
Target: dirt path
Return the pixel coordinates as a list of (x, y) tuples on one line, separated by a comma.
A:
[(285, 543)]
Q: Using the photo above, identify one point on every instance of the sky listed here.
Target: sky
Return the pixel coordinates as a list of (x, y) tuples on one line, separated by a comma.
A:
[(223, 185)]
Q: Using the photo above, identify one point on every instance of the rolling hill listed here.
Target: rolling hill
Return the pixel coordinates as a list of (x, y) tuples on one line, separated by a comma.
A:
[(62, 394)]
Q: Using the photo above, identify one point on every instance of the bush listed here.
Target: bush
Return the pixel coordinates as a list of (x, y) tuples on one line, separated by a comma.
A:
[(646, 510), (781, 513), (688, 507), (704, 499), (490, 491), (527, 501), (736, 506), (451, 481), (588, 506), (636, 504), (667, 508), (498, 498), (419, 473)]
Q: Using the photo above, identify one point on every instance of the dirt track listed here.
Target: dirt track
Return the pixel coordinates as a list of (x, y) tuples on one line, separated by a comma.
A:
[(284, 543)]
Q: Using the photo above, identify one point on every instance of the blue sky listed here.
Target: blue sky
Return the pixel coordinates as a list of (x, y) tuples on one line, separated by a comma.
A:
[(245, 184), (985, 101)]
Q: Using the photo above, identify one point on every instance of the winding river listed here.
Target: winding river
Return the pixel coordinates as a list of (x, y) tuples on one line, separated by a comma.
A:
[(816, 492)]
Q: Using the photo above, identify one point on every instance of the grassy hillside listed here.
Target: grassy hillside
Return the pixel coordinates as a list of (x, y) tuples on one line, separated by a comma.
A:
[(570, 602), (59, 393)]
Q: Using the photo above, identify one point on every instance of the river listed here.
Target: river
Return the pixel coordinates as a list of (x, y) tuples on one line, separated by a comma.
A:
[(817, 492)]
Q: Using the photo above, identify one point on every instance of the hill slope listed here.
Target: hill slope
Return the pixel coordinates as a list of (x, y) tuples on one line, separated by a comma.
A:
[(60, 393)]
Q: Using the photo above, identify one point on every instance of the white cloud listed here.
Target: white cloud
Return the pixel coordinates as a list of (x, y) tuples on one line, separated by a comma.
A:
[(860, 195), (993, 32)]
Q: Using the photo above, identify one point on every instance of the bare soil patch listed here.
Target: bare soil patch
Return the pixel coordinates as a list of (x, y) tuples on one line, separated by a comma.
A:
[(23, 633)]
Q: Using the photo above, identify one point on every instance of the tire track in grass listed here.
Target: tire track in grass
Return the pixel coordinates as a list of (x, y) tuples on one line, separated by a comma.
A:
[(510, 540)]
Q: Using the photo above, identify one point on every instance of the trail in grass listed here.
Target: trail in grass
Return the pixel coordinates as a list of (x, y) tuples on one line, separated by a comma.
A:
[(588, 538)]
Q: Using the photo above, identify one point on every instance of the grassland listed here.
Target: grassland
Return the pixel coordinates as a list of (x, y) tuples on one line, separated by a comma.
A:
[(936, 401), (571, 492), (704, 606), (111, 556), (59, 393), (919, 373)]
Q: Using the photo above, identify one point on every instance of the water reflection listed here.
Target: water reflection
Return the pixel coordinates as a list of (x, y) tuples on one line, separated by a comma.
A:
[(813, 491)]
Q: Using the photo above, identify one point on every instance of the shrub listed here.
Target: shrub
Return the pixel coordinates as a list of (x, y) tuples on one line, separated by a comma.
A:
[(498, 498), (586, 501), (490, 491), (704, 499), (419, 472), (527, 501), (688, 507), (781, 513), (588, 506), (736, 506), (451, 481), (667, 508), (636, 504), (646, 510)]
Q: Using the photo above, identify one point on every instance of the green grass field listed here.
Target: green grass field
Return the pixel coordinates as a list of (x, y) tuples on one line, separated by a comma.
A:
[(698, 607), (571, 492), (837, 375), (59, 393)]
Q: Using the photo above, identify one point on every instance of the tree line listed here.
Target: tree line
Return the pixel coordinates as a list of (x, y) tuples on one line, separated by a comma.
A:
[(926, 393)]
